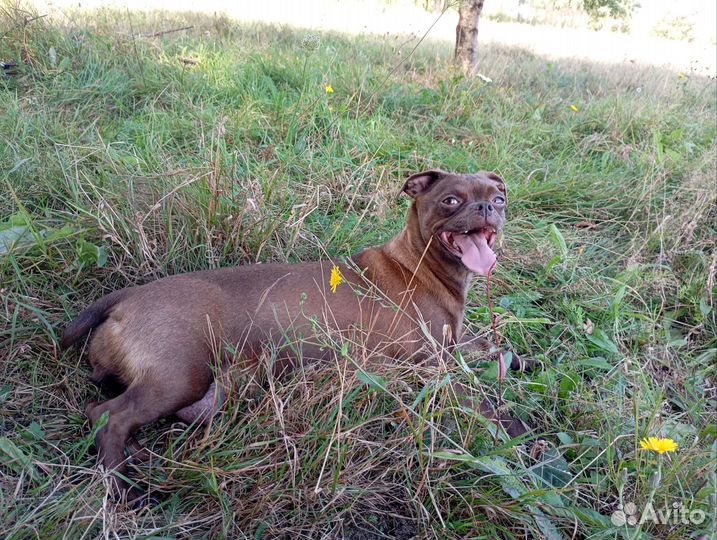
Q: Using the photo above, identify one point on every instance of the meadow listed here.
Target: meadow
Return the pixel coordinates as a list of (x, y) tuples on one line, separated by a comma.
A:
[(129, 153)]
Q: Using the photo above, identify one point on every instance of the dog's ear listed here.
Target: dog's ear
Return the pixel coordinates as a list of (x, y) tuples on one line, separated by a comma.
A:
[(500, 184), (419, 183)]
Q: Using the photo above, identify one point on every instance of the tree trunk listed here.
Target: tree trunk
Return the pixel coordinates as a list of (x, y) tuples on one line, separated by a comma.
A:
[(466, 53)]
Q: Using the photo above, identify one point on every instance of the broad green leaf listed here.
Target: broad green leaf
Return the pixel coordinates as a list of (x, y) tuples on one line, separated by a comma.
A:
[(21, 237), (599, 338), (619, 295), (568, 384), (373, 381), (19, 460), (564, 438), (552, 471), (558, 240), (705, 308), (597, 362)]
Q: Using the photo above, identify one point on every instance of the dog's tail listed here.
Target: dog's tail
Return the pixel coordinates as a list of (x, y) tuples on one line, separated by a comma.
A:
[(91, 317)]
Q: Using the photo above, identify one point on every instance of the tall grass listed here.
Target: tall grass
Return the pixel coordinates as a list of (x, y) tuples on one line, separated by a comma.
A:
[(127, 156)]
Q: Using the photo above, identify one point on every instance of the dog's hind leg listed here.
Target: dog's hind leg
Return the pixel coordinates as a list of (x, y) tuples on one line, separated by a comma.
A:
[(142, 403), (99, 374)]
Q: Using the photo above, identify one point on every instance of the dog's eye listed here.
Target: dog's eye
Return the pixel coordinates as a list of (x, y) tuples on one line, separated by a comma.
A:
[(499, 200), (452, 201)]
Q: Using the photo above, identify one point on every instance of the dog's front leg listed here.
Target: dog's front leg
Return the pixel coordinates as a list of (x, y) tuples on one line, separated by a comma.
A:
[(471, 345), (477, 345)]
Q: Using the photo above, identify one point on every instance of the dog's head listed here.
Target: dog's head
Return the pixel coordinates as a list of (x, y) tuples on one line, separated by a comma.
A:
[(464, 213)]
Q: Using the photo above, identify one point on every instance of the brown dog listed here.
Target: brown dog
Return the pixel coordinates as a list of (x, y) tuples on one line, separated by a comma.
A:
[(161, 339)]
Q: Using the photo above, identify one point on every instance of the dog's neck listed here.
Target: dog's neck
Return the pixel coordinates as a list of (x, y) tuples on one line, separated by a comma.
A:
[(424, 259)]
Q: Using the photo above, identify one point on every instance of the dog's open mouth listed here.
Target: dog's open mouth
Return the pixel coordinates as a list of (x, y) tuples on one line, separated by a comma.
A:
[(472, 247)]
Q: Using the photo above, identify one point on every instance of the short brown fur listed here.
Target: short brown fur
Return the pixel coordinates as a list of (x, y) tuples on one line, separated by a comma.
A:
[(161, 339)]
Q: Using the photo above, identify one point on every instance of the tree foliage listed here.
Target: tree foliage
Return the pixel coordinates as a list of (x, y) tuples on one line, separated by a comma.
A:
[(617, 9)]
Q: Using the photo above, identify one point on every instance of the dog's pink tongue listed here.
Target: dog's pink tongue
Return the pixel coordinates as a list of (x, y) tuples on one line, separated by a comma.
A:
[(477, 255)]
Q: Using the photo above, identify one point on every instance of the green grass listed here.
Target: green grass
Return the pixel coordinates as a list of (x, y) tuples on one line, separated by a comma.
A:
[(125, 159)]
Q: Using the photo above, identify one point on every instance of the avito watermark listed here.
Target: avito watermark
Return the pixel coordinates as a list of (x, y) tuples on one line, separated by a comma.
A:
[(667, 515)]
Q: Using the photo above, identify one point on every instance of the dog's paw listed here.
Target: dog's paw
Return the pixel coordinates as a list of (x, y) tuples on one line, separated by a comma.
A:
[(524, 363), (138, 500), (511, 424), (137, 452)]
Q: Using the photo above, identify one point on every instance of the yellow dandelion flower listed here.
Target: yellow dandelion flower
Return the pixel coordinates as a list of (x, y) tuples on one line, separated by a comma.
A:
[(336, 278), (655, 444), (573, 108), (329, 89), (682, 76)]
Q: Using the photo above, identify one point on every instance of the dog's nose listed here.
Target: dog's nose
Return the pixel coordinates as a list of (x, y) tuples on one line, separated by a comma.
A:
[(484, 208)]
